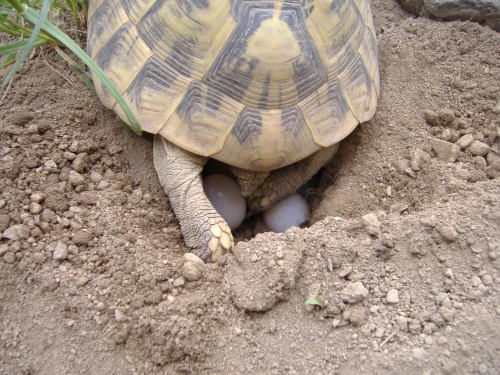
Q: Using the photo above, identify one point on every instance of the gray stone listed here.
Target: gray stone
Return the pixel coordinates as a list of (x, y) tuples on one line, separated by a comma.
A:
[(75, 178), (9, 257), (60, 251), (154, 298), (354, 292), (419, 158), (179, 282), (371, 224), (56, 200), (447, 313), (190, 257), (81, 281), (476, 175), (82, 237), (474, 10), (95, 177), (392, 296), (465, 141), (445, 151), (403, 167), (4, 222), (419, 353), (479, 148), (37, 197), (448, 233), (190, 271), (80, 163), (432, 117), (446, 115), (17, 232), (119, 316), (402, 323), (35, 208)]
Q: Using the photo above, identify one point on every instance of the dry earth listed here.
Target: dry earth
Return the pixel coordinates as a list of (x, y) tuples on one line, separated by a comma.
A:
[(404, 246)]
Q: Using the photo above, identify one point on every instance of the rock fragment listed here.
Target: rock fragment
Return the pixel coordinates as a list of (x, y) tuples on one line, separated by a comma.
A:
[(446, 115), (419, 158), (81, 281), (445, 151), (419, 354), (190, 271), (81, 162), (371, 224), (432, 117), (75, 178), (60, 251), (392, 296), (154, 298), (17, 232), (448, 233), (82, 237), (465, 141), (478, 148), (354, 292)]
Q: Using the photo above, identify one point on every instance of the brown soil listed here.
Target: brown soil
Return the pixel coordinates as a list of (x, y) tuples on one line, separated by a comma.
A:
[(404, 248)]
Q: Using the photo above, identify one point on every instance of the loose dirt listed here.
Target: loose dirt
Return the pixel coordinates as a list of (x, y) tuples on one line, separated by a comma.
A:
[(403, 246)]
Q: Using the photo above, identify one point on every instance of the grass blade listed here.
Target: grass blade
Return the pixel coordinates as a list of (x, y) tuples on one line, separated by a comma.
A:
[(18, 46), (30, 42), (9, 60)]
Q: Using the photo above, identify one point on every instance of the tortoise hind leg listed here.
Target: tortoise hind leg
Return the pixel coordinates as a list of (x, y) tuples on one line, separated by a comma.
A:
[(179, 171), (283, 182)]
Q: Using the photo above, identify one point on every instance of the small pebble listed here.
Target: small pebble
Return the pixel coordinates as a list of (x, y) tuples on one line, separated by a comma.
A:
[(479, 148), (441, 340), (17, 232), (465, 141), (190, 271), (114, 149), (446, 115), (392, 296), (120, 316), (81, 281), (9, 257), (190, 257), (35, 208), (75, 178), (154, 298), (483, 369), (419, 159), (82, 237), (371, 224), (81, 162), (179, 282), (445, 151), (419, 353), (487, 279), (95, 177), (448, 233), (39, 258), (60, 251), (37, 197), (354, 292)]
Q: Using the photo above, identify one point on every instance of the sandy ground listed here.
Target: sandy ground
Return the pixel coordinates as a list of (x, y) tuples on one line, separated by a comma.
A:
[(403, 246)]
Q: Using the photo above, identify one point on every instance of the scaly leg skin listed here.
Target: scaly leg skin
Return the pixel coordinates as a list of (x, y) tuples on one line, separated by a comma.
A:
[(283, 182), (204, 230)]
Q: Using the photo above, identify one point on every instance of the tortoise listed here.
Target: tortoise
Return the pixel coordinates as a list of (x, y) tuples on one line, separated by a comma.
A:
[(267, 87)]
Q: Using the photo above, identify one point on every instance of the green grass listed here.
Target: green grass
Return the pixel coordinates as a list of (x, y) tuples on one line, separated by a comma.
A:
[(29, 23)]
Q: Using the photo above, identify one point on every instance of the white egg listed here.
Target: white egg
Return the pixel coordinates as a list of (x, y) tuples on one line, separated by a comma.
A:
[(290, 212), (225, 195)]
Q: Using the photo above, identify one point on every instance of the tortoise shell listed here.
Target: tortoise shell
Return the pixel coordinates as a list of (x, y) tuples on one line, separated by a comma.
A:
[(255, 84)]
